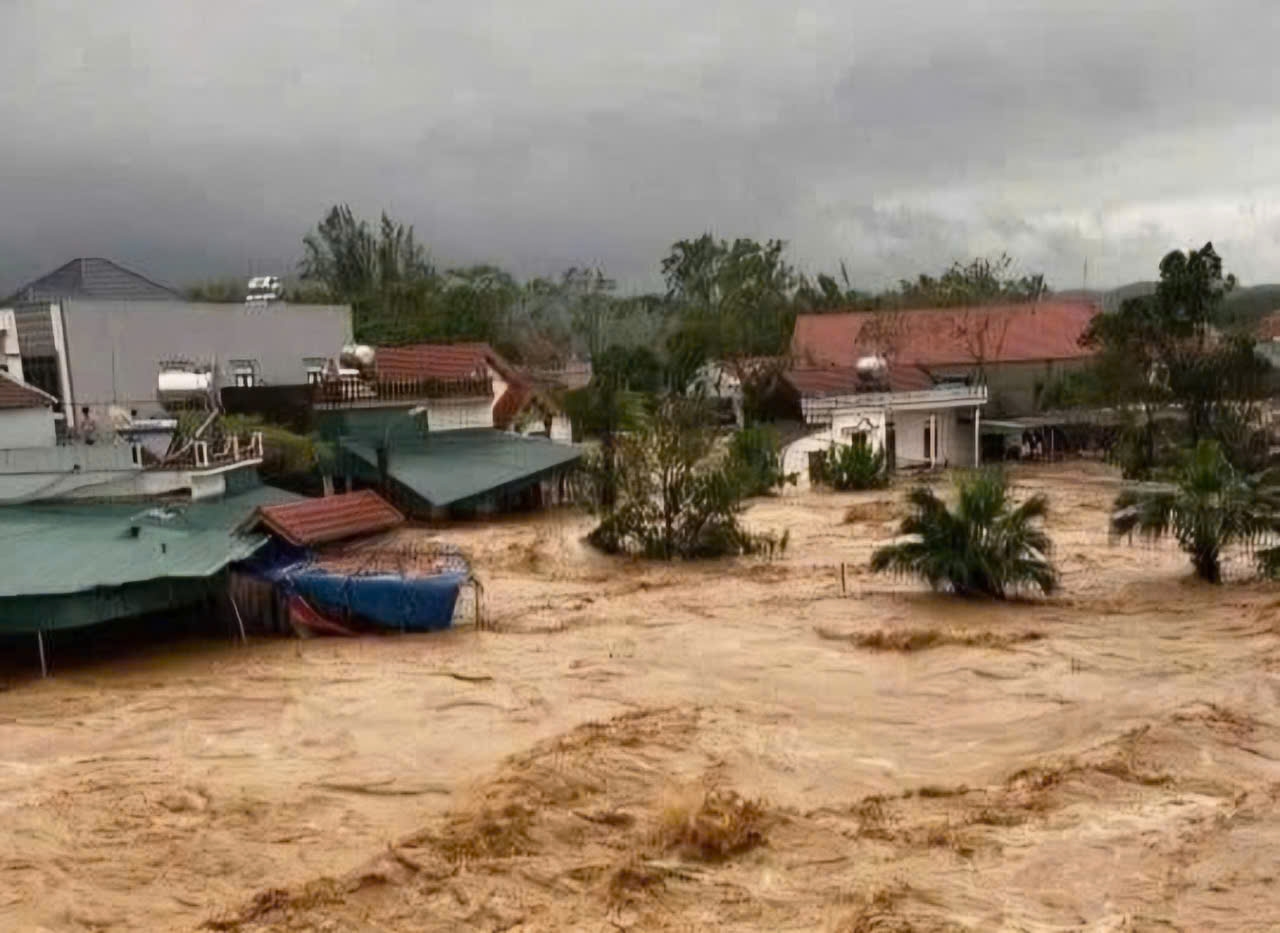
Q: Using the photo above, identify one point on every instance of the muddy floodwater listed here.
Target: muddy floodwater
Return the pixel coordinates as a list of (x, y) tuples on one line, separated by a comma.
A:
[(1104, 760)]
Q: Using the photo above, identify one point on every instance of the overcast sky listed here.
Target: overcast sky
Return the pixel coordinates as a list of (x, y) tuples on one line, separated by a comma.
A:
[(201, 139)]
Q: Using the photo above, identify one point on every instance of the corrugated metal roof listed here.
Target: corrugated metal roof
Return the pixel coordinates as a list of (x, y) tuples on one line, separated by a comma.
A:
[(94, 278), (16, 394), (70, 548), (451, 467), (334, 518), (1048, 330)]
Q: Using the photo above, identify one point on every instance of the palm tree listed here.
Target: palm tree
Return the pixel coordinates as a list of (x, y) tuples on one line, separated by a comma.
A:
[(987, 546), (1210, 506)]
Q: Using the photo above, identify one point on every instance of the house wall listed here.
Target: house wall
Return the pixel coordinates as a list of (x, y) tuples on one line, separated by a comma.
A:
[(27, 427), (844, 424), (115, 348), (561, 429), (954, 443), (457, 414), (52, 472)]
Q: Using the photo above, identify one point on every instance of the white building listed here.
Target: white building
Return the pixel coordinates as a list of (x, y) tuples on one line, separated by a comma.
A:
[(919, 424)]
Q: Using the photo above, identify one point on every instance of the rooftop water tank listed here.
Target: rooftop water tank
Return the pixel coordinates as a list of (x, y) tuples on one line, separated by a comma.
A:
[(872, 368), (180, 384)]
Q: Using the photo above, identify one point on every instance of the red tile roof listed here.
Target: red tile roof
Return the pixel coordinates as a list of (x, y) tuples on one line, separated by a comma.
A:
[(16, 394), (333, 518), (440, 361), (1048, 330), (844, 380)]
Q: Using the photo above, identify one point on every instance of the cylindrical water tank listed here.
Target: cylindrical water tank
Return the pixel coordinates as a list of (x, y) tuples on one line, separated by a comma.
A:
[(872, 367), (182, 383)]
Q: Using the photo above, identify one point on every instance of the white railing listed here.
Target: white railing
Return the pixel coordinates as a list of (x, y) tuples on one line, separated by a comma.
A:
[(234, 450), (820, 409)]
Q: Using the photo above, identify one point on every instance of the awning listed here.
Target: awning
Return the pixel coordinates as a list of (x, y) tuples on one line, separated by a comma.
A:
[(990, 426)]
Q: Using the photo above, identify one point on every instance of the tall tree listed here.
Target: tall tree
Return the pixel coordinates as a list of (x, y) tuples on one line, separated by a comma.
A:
[(1168, 349), (386, 276), (736, 306)]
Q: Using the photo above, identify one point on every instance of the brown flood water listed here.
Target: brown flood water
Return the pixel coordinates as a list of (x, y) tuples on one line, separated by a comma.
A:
[(1108, 759)]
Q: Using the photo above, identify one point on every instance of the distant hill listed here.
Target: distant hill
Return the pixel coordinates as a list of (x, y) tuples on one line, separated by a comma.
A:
[(1244, 307)]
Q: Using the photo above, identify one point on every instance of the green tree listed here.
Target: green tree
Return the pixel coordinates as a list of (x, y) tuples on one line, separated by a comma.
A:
[(735, 305), (1167, 351), (676, 499), (986, 546), (612, 404), (386, 276), (1209, 507)]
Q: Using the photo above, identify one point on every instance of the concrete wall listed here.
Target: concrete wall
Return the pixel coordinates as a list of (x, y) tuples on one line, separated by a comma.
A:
[(458, 414), (27, 427), (115, 348), (56, 472)]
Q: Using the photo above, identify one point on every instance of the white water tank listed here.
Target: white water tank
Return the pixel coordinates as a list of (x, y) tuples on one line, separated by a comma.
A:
[(872, 368), (357, 356), (183, 384)]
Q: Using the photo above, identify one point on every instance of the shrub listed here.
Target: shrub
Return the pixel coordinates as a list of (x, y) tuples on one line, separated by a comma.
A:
[(284, 452), (855, 466), (986, 546)]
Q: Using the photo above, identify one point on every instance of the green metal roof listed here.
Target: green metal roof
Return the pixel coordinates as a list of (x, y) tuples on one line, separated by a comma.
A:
[(72, 548), (451, 467)]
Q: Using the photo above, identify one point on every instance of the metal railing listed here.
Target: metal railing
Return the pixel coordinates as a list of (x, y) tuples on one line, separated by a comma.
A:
[(203, 455), (336, 393)]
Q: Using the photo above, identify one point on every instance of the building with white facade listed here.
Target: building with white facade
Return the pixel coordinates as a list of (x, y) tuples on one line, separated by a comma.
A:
[(916, 422)]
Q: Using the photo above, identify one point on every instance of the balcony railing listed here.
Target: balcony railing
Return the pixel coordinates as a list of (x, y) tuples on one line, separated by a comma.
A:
[(341, 393), (210, 455)]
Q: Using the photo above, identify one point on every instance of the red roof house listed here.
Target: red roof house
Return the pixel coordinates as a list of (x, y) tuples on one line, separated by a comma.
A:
[(1039, 332), (466, 362), (1018, 348)]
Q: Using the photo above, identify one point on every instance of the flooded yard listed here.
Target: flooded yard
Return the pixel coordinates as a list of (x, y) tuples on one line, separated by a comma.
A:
[(758, 745)]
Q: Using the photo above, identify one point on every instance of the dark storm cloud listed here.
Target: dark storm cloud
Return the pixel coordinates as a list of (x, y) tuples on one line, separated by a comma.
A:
[(203, 139)]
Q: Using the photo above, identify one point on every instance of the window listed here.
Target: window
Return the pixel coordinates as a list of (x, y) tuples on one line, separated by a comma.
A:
[(928, 444), (244, 373)]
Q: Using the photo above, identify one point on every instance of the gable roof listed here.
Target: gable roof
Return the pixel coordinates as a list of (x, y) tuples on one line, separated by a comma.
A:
[(15, 394), (443, 362), (319, 521), (94, 278), (1047, 330)]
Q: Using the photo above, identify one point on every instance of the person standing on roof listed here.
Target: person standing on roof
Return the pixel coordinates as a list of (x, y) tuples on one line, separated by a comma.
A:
[(88, 427)]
